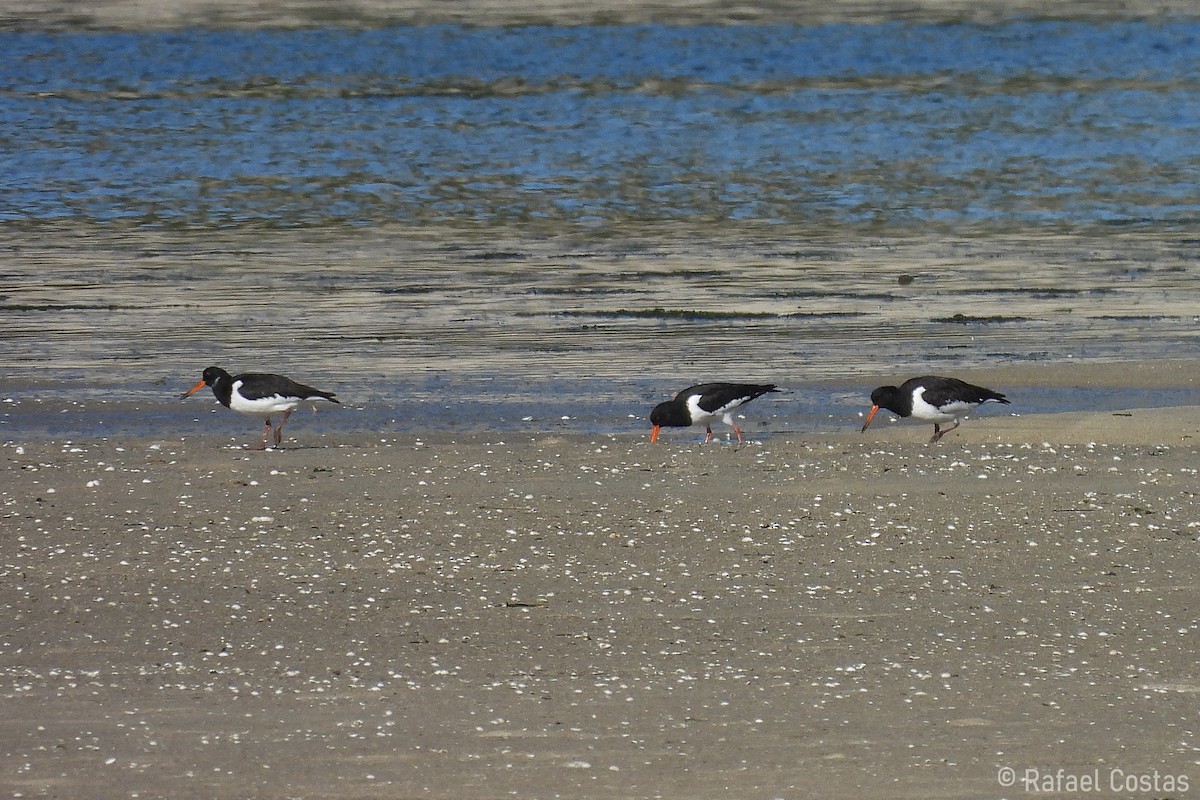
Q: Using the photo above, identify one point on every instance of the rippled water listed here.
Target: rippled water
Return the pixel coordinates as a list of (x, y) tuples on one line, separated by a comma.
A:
[(447, 222), (891, 125)]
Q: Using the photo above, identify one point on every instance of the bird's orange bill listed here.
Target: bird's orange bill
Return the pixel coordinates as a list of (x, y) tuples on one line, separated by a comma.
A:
[(870, 416), (193, 390), (654, 434)]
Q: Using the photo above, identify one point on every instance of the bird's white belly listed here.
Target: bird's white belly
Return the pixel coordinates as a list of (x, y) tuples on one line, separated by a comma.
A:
[(702, 417), (263, 406), (931, 413)]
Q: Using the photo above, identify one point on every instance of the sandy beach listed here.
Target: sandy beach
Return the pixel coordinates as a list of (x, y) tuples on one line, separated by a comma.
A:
[(539, 615), (403, 603)]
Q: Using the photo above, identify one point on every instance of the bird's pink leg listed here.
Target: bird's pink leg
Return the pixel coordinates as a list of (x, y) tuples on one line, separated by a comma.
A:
[(279, 430), (938, 432), (738, 432), (708, 437), (266, 433)]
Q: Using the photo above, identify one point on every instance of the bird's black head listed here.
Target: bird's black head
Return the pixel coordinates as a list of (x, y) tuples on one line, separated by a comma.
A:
[(670, 415), (213, 374), (887, 397), (210, 377)]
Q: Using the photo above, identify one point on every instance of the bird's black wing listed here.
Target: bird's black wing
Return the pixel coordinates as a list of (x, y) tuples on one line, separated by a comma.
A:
[(256, 385), (943, 391), (715, 396)]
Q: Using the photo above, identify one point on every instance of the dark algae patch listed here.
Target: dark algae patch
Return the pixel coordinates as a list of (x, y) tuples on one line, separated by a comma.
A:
[(687, 314), (967, 319)]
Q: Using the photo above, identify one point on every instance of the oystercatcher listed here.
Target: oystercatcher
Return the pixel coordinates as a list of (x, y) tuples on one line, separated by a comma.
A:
[(705, 404), (932, 399), (258, 394)]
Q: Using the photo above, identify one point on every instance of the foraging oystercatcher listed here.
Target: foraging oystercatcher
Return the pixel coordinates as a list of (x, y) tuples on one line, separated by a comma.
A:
[(705, 404), (932, 399), (258, 394)]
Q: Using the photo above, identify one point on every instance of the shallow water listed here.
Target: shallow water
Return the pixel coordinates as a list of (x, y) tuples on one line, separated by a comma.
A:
[(459, 336), (893, 126), (486, 227)]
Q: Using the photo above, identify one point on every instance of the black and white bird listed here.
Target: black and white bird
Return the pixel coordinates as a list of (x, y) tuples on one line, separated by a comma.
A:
[(933, 399), (705, 404), (259, 394)]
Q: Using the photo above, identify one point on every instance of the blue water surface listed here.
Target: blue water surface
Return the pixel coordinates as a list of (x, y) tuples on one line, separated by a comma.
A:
[(1026, 123)]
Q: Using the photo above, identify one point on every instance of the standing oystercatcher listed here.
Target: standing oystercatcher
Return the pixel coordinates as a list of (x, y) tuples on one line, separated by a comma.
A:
[(258, 394), (705, 404), (932, 399)]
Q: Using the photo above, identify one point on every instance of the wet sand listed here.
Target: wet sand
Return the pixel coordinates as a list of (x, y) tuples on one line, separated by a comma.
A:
[(542, 615)]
